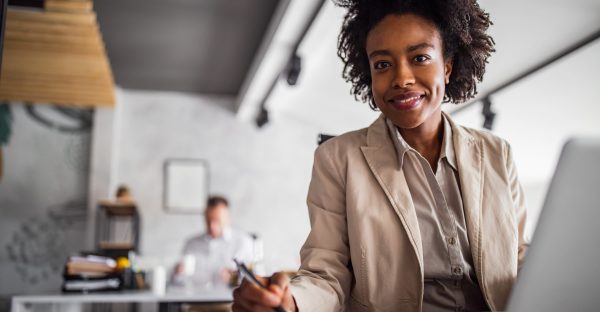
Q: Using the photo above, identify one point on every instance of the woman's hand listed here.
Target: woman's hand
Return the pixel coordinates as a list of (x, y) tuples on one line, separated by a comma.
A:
[(252, 298)]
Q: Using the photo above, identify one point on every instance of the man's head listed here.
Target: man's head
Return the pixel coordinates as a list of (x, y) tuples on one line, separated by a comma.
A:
[(123, 194), (216, 216)]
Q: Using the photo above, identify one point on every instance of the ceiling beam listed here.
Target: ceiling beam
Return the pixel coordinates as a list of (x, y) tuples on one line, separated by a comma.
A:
[(567, 51), (289, 26)]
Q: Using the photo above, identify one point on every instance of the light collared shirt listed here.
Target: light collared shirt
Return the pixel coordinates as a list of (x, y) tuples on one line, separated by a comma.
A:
[(212, 255), (450, 281)]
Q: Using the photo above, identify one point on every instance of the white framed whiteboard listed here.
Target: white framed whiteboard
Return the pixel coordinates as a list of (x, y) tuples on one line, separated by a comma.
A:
[(185, 185)]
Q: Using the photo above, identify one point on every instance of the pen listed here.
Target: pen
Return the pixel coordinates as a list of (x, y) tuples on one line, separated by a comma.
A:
[(252, 279)]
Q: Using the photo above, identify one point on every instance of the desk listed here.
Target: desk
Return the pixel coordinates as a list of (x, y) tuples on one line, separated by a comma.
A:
[(172, 296)]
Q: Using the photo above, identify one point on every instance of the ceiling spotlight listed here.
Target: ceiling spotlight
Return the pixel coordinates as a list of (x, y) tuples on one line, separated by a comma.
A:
[(488, 114), (263, 116), (322, 137), (293, 69)]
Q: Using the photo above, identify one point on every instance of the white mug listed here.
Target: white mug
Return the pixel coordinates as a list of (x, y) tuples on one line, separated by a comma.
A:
[(189, 265), (159, 280)]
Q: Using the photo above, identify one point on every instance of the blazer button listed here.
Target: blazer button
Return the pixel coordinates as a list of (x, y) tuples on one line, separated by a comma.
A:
[(457, 270), (452, 240)]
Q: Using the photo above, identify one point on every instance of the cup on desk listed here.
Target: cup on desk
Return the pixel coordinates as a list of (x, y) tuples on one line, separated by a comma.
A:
[(159, 280), (189, 265)]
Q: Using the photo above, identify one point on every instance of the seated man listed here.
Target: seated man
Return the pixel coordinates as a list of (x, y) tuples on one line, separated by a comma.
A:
[(208, 256)]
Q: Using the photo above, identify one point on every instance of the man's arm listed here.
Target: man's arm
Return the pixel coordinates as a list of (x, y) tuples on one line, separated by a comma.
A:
[(178, 276)]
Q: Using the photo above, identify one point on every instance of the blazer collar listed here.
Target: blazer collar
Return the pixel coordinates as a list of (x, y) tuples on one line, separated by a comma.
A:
[(469, 155), (381, 156)]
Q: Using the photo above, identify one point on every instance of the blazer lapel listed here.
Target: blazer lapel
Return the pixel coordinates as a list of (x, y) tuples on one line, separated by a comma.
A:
[(382, 159), (469, 155)]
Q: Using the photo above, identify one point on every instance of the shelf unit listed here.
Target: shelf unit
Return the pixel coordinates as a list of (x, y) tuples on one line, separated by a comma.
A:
[(117, 228)]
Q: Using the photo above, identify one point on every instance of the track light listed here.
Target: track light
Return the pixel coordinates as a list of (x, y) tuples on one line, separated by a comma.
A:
[(488, 114), (293, 69), (263, 116), (322, 137)]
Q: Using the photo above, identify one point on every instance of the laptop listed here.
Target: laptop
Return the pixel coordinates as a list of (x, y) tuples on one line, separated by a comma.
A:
[(562, 265)]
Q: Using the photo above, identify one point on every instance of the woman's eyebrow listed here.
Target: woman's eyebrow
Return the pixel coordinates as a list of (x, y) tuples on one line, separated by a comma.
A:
[(379, 52), (420, 46), (411, 48)]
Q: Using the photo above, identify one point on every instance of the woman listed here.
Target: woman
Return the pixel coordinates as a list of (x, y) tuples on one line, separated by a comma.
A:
[(413, 213)]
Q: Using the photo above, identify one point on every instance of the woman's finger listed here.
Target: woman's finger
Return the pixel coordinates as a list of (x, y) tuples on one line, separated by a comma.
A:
[(281, 282), (257, 295), (245, 306)]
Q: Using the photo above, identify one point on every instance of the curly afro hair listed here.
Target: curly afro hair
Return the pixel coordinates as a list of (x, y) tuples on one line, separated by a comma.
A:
[(462, 25)]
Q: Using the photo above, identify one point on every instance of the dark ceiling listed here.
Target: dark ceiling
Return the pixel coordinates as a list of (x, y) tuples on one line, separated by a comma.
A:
[(201, 46)]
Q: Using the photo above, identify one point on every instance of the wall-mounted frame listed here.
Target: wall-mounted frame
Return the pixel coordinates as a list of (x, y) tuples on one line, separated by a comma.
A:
[(185, 188)]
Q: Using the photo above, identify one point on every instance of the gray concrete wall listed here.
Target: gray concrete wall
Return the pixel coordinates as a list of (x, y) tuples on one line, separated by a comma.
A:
[(43, 197), (264, 172)]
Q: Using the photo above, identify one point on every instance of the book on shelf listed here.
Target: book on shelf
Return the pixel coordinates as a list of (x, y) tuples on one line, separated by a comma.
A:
[(90, 258), (89, 264), (88, 273), (76, 268), (88, 285)]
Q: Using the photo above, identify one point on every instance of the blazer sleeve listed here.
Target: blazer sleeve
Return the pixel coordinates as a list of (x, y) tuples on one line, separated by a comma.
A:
[(324, 278), (518, 200)]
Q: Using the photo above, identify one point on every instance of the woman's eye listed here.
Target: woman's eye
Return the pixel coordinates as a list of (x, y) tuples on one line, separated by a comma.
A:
[(381, 65), (422, 58)]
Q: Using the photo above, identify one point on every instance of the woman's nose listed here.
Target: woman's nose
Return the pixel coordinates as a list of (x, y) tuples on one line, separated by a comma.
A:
[(403, 76)]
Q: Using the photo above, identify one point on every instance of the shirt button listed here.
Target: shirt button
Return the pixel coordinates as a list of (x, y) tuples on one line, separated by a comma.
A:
[(452, 240), (457, 270)]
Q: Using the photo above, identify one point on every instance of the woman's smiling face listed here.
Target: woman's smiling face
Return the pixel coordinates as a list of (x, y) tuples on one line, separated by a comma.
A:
[(408, 69)]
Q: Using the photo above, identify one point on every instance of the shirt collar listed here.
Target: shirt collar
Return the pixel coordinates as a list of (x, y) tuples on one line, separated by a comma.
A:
[(402, 147), (227, 235), (448, 144)]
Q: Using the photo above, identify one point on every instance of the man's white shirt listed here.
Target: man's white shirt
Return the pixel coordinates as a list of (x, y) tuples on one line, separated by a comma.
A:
[(212, 255)]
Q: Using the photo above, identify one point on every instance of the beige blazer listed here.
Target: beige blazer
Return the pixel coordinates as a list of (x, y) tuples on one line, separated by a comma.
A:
[(364, 249)]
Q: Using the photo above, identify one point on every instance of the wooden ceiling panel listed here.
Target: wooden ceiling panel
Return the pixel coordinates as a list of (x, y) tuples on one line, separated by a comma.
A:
[(56, 56)]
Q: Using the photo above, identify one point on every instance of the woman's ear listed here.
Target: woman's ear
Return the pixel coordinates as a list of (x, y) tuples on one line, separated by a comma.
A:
[(448, 69)]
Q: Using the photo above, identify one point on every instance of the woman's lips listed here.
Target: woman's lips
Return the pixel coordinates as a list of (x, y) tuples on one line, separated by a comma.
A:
[(406, 101)]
